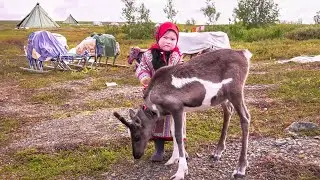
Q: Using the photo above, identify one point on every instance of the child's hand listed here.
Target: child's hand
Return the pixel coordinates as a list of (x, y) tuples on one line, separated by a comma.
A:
[(145, 81)]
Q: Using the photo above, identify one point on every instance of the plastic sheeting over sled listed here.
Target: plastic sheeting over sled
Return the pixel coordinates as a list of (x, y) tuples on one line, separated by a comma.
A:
[(44, 46), (98, 46), (196, 42)]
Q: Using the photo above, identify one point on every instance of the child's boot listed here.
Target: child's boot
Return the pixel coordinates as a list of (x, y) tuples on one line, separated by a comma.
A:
[(159, 148)]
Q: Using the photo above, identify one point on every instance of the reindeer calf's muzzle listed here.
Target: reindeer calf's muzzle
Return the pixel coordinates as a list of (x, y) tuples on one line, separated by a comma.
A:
[(137, 155)]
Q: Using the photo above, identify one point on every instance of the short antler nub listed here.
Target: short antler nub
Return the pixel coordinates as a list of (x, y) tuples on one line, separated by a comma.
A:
[(118, 116)]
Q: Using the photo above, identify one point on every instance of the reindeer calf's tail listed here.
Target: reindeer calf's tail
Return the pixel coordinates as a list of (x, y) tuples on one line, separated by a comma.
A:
[(247, 54)]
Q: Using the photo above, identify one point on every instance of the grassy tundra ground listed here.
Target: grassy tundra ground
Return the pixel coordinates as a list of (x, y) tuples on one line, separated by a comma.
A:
[(59, 125)]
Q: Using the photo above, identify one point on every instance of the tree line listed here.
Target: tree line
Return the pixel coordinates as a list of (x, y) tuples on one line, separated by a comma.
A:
[(249, 13)]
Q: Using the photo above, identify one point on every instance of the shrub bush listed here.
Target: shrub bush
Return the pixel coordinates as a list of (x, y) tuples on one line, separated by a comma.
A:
[(114, 30), (304, 33), (139, 31), (238, 32)]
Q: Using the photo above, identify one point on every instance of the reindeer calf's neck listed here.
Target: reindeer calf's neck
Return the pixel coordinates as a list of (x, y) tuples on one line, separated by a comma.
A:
[(204, 81)]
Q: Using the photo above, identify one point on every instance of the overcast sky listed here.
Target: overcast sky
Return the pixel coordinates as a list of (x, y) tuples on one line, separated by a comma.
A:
[(110, 10)]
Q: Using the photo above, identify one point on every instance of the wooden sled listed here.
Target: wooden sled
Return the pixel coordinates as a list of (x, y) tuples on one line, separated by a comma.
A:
[(34, 70), (39, 67)]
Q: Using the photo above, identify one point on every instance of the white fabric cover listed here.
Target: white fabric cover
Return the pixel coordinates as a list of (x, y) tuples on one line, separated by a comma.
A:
[(61, 39), (195, 42), (302, 59)]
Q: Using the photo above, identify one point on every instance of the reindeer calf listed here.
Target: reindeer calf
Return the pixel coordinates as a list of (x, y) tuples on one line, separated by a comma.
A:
[(207, 80)]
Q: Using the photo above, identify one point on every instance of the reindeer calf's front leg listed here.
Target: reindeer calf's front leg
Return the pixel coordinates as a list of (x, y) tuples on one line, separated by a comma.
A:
[(175, 153), (183, 166)]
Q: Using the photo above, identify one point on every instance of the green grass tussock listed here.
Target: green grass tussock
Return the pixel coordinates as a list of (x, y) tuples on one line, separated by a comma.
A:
[(7, 126), (90, 161)]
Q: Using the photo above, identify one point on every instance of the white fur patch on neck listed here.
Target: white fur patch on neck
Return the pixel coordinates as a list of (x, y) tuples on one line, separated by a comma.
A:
[(211, 88), (155, 109)]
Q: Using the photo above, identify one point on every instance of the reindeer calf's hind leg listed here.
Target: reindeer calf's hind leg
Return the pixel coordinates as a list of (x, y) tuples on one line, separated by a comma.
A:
[(227, 113), (242, 111)]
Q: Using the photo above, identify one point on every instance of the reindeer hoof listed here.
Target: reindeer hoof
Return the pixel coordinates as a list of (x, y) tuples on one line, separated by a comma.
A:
[(215, 157), (172, 161), (238, 175), (175, 178), (179, 176)]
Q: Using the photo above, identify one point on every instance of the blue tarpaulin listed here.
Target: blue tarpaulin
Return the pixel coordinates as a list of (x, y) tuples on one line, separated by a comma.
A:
[(45, 44)]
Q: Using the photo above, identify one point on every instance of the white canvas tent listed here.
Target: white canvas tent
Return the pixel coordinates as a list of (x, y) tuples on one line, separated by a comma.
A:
[(37, 18), (114, 24), (70, 20), (97, 23)]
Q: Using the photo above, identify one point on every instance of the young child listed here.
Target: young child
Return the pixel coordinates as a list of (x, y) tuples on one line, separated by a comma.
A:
[(162, 53)]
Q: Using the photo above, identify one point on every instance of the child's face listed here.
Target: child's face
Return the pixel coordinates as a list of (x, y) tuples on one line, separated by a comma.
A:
[(168, 41)]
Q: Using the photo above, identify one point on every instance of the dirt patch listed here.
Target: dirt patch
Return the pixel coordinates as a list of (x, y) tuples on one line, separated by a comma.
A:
[(256, 95), (82, 95), (83, 129), (15, 101), (47, 133)]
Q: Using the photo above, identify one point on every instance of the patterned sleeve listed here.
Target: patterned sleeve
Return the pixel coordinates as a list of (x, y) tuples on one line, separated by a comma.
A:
[(143, 70), (176, 58)]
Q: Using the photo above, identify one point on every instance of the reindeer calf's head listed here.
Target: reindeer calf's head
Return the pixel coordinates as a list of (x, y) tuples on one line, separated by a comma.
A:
[(141, 127)]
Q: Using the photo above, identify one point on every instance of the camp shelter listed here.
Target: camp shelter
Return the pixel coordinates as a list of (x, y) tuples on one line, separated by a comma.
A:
[(37, 18), (114, 24), (70, 20), (97, 23)]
